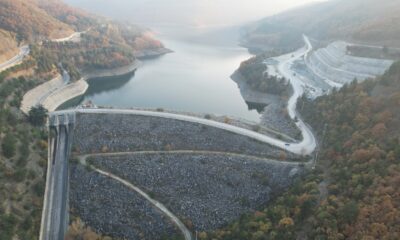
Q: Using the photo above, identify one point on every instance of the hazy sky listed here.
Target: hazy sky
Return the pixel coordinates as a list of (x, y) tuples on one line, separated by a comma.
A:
[(188, 12)]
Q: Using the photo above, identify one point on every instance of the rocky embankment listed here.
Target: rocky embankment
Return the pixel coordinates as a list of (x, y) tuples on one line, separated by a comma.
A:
[(112, 209), (274, 115), (103, 73), (121, 133), (206, 190)]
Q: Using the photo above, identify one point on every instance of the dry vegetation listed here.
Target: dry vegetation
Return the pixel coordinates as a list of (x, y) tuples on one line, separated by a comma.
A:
[(353, 194), (30, 22), (8, 46)]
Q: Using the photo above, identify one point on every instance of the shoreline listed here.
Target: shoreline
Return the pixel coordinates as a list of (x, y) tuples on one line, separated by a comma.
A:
[(53, 94), (114, 72)]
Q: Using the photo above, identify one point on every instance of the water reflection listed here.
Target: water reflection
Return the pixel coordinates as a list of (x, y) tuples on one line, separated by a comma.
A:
[(259, 107), (102, 85), (194, 78)]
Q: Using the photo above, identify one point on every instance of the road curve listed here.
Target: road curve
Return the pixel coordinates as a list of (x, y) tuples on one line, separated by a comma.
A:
[(186, 233), (24, 51), (308, 144), (296, 148)]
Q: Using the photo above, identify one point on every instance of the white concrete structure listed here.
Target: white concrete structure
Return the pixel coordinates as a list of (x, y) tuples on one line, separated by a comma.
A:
[(334, 65), (37, 95), (65, 93)]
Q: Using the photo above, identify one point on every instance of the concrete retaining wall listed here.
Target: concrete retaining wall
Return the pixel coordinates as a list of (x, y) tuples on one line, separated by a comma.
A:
[(68, 92), (40, 93)]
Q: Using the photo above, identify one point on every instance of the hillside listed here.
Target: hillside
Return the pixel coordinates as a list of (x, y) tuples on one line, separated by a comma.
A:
[(8, 46), (364, 21), (102, 43), (29, 22), (75, 17), (352, 194), (23, 141)]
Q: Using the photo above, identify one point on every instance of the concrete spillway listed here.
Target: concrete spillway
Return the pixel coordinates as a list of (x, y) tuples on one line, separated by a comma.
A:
[(55, 210)]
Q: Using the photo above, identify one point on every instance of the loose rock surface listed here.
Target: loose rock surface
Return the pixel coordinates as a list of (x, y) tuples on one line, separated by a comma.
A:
[(121, 133), (114, 210), (210, 190)]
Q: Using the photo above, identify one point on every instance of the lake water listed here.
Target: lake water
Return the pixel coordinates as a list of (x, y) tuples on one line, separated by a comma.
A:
[(194, 78)]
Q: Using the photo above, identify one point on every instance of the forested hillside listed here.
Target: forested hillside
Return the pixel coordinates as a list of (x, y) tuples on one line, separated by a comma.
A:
[(365, 21), (353, 193), (29, 22), (8, 46), (105, 43), (254, 73), (23, 139)]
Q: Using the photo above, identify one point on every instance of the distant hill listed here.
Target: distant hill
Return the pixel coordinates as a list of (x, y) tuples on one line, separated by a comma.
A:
[(364, 21), (105, 43), (30, 22)]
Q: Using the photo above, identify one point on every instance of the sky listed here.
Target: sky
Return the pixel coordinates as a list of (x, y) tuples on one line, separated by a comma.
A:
[(197, 13)]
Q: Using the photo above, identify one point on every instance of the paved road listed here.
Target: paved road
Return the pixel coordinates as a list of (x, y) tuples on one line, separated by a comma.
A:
[(297, 148), (186, 233), (24, 51), (74, 37), (308, 144)]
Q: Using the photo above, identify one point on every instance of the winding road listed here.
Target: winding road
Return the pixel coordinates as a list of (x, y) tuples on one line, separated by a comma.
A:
[(308, 144), (24, 51)]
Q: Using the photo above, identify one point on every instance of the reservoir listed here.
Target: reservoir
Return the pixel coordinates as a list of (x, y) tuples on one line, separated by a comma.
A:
[(194, 78)]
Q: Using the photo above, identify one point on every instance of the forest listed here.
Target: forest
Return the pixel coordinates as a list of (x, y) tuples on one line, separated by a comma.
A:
[(353, 193), (253, 72), (23, 159)]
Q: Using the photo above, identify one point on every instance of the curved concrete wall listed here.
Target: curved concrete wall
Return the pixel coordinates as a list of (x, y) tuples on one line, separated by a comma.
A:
[(40, 93), (68, 92)]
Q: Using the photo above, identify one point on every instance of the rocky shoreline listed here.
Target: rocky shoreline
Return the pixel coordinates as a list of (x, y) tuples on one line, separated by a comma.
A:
[(105, 73), (274, 114)]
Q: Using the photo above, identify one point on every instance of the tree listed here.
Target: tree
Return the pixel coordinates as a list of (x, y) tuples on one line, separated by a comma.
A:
[(8, 146), (349, 212), (37, 115)]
